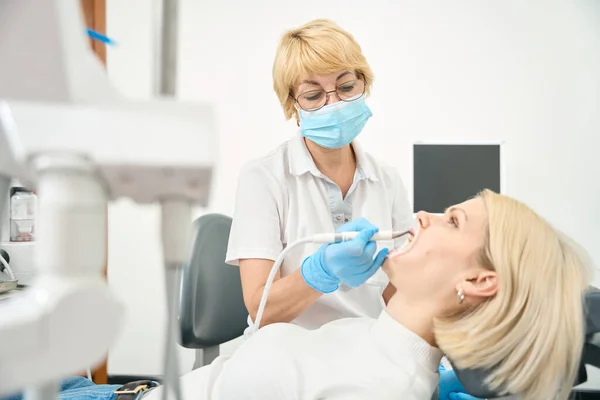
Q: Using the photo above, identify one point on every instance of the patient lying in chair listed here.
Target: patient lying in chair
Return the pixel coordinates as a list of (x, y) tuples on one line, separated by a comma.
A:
[(490, 284)]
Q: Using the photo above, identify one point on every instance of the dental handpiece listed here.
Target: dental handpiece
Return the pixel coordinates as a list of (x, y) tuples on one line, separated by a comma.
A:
[(335, 237), (345, 236)]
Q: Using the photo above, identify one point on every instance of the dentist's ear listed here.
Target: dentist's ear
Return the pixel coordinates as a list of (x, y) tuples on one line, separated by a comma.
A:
[(483, 284)]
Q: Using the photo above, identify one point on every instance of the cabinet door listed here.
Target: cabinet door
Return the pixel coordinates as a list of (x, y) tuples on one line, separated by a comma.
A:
[(94, 12)]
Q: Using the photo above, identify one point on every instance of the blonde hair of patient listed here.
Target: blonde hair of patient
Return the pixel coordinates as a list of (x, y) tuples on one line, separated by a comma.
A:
[(319, 47), (531, 332)]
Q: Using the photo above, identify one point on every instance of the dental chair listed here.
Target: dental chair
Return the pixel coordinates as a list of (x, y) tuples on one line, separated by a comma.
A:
[(212, 309), (211, 305), (473, 379)]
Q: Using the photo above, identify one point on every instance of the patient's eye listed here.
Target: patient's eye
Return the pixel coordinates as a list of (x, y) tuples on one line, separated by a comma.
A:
[(453, 221)]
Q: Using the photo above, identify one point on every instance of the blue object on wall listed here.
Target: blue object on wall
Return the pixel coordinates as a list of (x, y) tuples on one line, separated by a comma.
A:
[(100, 37)]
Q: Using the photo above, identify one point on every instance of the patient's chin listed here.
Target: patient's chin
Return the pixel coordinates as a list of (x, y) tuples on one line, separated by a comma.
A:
[(391, 268), (385, 266)]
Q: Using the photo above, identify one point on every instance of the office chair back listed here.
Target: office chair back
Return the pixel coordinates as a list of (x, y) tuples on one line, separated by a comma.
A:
[(211, 305)]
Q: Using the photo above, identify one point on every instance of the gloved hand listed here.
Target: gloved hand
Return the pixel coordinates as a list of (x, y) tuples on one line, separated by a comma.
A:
[(450, 387), (462, 396), (350, 262)]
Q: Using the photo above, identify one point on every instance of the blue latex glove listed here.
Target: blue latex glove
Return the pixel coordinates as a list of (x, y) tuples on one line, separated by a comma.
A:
[(350, 262), (450, 387), (461, 396)]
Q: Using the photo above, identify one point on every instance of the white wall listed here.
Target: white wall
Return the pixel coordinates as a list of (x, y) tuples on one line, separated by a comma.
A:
[(522, 72)]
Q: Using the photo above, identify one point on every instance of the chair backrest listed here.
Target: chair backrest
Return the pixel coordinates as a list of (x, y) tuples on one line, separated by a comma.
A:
[(211, 305)]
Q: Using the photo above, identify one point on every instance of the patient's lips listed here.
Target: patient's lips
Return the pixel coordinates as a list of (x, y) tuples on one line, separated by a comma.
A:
[(414, 235)]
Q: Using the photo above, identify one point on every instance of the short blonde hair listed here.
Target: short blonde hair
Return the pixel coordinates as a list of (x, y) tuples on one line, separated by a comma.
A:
[(530, 335), (319, 47)]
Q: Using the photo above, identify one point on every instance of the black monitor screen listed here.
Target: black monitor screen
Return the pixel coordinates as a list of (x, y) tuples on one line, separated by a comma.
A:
[(448, 174)]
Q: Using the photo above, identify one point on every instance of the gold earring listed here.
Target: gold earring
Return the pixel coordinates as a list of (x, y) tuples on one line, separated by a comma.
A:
[(461, 296)]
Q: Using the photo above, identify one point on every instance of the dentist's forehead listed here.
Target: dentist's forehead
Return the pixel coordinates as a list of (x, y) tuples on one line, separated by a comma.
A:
[(318, 79)]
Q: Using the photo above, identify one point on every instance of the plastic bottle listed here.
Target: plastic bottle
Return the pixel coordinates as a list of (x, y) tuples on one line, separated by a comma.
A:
[(23, 212)]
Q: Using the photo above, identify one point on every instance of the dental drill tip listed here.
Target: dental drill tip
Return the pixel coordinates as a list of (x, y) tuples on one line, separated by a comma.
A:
[(397, 234)]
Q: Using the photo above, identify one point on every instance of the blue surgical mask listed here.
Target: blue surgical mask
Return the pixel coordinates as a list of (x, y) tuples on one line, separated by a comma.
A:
[(335, 125)]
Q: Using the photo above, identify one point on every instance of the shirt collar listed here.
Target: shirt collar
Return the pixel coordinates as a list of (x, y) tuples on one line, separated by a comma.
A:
[(398, 343), (301, 162)]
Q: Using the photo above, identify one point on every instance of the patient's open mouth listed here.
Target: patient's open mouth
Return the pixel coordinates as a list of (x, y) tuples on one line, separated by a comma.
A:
[(408, 244)]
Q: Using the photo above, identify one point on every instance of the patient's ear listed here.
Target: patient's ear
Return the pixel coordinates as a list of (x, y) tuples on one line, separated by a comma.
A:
[(483, 284)]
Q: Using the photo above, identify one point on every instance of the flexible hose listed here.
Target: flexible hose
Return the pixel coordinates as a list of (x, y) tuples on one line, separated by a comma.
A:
[(9, 271), (318, 238), (271, 278)]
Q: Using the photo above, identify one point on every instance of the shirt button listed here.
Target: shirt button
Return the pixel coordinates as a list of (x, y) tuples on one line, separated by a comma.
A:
[(338, 217), (346, 219)]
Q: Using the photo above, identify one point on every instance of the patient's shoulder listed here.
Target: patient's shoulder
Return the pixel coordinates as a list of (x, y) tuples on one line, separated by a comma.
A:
[(346, 323), (275, 338), (262, 367)]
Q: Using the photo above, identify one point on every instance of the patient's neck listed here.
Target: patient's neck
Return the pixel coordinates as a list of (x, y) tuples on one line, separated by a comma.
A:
[(413, 316)]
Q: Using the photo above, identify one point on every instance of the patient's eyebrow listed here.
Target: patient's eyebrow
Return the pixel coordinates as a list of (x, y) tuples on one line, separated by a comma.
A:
[(451, 209)]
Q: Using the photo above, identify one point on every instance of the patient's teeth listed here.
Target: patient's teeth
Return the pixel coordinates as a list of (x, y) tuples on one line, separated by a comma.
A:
[(402, 249)]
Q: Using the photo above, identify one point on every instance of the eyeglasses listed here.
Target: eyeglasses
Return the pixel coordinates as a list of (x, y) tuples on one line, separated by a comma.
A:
[(316, 99)]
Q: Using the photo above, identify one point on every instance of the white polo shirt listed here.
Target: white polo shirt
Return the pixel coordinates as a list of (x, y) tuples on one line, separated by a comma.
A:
[(283, 197), (348, 359)]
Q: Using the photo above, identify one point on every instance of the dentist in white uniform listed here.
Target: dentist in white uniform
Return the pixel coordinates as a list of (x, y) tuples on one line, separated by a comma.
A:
[(321, 180)]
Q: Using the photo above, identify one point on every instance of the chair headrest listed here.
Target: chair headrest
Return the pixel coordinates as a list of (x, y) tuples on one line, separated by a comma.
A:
[(211, 304), (473, 379)]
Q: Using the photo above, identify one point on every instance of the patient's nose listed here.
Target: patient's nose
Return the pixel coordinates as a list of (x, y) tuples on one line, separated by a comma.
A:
[(424, 219)]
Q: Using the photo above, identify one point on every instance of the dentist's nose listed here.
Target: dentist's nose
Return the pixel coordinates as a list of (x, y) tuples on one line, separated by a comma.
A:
[(332, 97)]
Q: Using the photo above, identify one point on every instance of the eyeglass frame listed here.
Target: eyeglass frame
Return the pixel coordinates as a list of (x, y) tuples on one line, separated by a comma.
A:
[(327, 94)]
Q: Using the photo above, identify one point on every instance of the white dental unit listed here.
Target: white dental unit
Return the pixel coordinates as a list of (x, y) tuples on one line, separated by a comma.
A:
[(66, 133)]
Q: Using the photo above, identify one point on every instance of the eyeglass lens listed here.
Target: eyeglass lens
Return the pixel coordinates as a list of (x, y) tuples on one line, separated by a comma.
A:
[(347, 91)]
